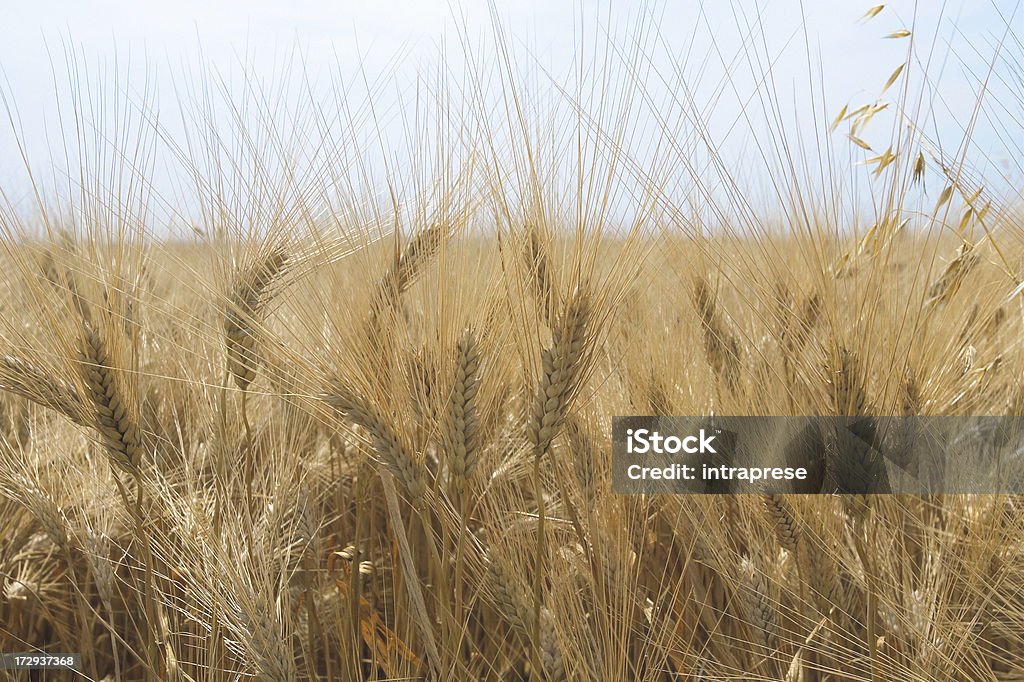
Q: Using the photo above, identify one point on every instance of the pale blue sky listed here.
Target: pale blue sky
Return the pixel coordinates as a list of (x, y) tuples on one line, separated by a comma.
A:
[(162, 40)]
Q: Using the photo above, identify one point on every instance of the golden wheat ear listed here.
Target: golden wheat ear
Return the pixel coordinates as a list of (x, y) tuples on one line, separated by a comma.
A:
[(537, 259), (390, 447), (780, 514), (562, 370), (247, 300), (515, 604), (407, 268), (114, 408), (462, 427), (721, 346), (25, 379)]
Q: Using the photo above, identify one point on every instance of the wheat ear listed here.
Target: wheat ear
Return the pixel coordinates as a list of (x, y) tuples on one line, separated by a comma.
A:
[(513, 603), (462, 437), (759, 603), (849, 398), (244, 307), (114, 415), (780, 515), (562, 372), (538, 262), (116, 421), (584, 452), (393, 452), (25, 379), (720, 344), (407, 268)]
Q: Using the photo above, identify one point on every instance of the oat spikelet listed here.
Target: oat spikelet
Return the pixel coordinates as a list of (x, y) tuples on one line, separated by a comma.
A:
[(25, 379), (562, 372), (919, 169), (114, 413), (392, 450), (783, 520), (515, 605), (247, 300), (720, 345), (462, 437)]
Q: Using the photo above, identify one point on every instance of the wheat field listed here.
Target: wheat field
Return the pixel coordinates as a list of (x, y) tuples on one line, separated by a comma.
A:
[(319, 432)]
